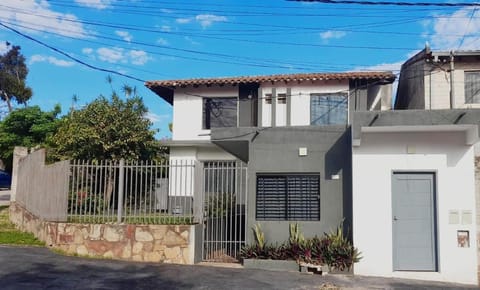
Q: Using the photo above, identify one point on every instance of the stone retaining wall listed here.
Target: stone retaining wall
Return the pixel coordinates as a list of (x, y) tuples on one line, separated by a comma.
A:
[(149, 243)]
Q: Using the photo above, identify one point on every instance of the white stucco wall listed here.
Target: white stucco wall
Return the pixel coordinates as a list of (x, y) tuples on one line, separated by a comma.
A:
[(188, 105), (300, 98), (182, 173), (373, 163), (188, 111)]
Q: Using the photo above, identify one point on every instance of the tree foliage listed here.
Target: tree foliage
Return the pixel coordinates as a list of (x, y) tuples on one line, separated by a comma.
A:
[(27, 127), (13, 73), (106, 129)]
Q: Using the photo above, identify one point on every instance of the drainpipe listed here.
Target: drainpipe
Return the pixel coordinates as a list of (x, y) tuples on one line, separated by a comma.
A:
[(452, 82)]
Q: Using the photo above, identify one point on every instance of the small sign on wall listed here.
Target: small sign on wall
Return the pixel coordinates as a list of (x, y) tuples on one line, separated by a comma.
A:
[(463, 239)]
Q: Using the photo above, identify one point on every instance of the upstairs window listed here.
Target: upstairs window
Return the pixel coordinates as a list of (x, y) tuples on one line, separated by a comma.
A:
[(472, 87), (219, 112), (328, 109)]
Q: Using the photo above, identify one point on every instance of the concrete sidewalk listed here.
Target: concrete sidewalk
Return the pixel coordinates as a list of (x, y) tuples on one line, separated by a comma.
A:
[(39, 268)]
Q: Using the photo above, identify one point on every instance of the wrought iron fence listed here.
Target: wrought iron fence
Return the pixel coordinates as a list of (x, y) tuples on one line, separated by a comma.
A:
[(225, 196), (143, 192)]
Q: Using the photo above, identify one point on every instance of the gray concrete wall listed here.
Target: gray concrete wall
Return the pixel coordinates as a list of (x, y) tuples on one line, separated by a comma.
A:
[(411, 87), (329, 153), (275, 150), (42, 189)]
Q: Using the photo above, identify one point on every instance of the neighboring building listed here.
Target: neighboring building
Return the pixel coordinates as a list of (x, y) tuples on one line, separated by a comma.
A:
[(292, 131), (440, 80), (414, 194)]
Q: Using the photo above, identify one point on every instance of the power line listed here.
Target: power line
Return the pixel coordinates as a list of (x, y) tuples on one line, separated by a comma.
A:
[(383, 3), (69, 56), (466, 28)]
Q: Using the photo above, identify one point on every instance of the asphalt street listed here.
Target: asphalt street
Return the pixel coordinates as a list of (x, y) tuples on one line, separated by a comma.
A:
[(40, 268)]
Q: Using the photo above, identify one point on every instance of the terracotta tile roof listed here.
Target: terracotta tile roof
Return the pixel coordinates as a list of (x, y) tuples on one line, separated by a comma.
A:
[(270, 78)]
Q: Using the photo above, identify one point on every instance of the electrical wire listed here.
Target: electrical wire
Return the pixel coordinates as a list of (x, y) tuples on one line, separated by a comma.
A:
[(69, 56), (383, 3)]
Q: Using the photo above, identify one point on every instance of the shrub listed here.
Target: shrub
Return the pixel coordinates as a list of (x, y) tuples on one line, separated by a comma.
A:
[(333, 249)]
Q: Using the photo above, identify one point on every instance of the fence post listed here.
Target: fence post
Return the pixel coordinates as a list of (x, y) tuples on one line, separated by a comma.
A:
[(198, 193), (121, 177)]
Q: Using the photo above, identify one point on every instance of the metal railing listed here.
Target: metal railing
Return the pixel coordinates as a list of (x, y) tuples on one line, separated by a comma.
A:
[(136, 192), (225, 220)]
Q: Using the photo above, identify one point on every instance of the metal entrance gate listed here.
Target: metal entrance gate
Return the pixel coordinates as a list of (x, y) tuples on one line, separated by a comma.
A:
[(225, 208)]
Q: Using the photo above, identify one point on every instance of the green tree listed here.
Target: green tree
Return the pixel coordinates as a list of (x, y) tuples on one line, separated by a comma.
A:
[(13, 73), (106, 129), (27, 127)]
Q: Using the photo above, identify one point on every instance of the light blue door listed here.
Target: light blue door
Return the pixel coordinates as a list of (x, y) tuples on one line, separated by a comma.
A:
[(413, 207)]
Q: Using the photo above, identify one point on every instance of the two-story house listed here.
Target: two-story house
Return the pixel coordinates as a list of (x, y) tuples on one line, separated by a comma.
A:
[(292, 133)]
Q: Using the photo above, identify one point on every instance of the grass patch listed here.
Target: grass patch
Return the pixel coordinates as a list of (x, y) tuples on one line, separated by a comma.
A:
[(11, 236)]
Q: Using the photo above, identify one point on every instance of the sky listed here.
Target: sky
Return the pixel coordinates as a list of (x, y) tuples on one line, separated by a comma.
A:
[(161, 40)]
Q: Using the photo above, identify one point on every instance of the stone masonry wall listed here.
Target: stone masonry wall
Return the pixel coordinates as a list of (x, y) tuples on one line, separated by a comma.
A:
[(149, 243)]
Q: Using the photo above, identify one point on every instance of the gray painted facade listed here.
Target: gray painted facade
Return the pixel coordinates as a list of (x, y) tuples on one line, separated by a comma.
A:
[(276, 150)]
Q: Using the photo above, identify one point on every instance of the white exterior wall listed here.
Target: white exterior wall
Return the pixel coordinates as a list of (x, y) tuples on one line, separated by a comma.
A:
[(188, 111), (300, 100), (373, 163), (437, 88), (182, 174)]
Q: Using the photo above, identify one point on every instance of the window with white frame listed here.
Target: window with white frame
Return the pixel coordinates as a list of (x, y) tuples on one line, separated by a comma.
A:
[(288, 197), (219, 112), (328, 109), (472, 87)]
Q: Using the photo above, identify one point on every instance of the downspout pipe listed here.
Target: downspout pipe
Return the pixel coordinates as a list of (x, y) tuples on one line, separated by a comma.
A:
[(452, 80)]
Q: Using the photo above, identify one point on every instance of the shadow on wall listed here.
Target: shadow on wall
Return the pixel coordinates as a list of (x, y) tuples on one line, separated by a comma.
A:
[(338, 161)]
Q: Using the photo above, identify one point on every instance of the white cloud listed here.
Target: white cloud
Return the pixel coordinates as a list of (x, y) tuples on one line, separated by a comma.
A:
[(191, 41), (166, 28), (156, 118), (3, 47), (448, 30), (167, 11), (332, 34), (206, 20), (120, 55), (97, 4), (40, 16), (138, 57), (183, 20), (162, 41), (111, 55), (125, 35), (87, 50), (50, 59), (393, 66)]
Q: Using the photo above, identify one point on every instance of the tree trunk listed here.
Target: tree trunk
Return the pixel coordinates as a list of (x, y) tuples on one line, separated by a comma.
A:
[(7, 99)]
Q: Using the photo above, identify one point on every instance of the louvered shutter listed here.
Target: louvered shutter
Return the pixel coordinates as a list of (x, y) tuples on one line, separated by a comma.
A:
[(288, 197)]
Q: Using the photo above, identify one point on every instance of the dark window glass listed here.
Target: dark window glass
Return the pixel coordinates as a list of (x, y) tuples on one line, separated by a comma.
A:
[(472, 87), (219, 112), (328, 109), (282, 98), (288, 197), (268, 99)]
